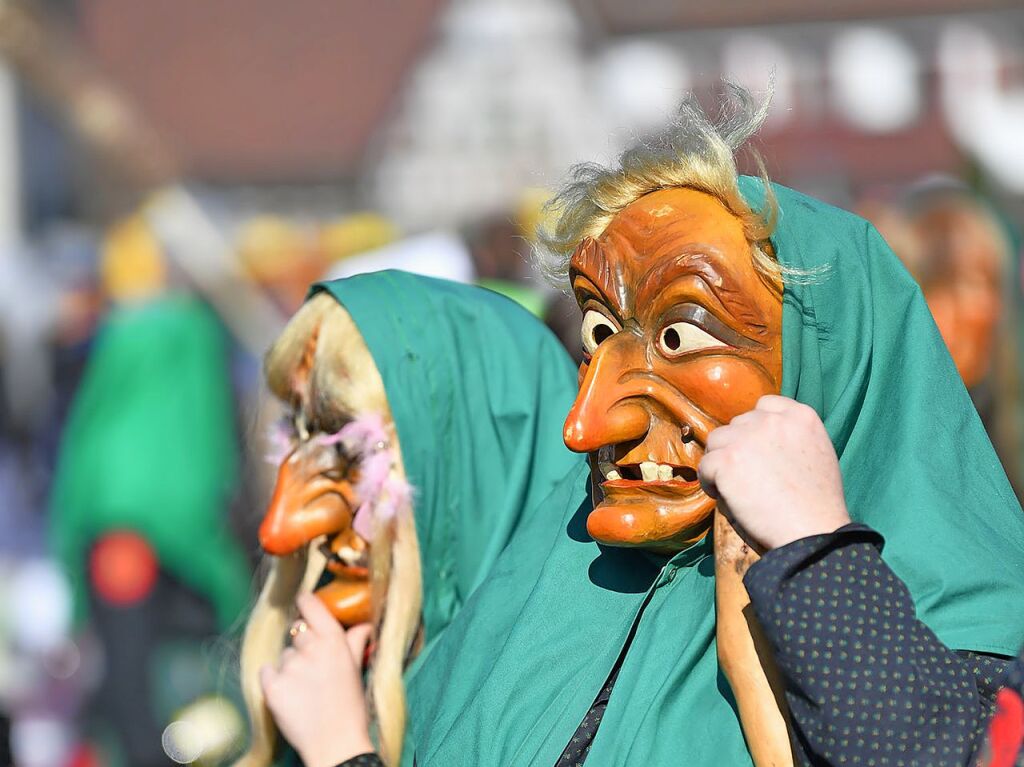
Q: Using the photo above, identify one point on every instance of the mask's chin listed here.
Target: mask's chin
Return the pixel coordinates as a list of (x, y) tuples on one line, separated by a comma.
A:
[(348, 599), (660, 516)]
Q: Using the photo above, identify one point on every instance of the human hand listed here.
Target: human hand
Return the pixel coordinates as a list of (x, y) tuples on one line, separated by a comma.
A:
[(775, 473), (316, 692)]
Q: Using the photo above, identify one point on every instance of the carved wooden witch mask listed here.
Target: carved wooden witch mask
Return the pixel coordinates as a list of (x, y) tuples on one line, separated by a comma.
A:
[(319, 476), (314, 497), (680, 334)]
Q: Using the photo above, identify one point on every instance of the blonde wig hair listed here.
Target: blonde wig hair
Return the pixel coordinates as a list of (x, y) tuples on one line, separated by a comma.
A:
[(321, 366), (695, 152)]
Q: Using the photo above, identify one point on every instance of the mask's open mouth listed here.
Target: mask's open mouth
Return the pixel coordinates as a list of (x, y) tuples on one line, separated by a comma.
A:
[(347, 554), (648, 471), (624, 473)]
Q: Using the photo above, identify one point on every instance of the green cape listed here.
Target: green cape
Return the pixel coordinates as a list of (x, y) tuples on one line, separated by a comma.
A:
[(150, 446), (514, 674), (478, 390)]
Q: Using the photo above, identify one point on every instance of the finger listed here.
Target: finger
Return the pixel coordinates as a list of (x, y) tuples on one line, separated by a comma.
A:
[(707, 472), (775, 403), (288, 656), (748, 418), (300, 634), (719, 438), (357, 638), (317, 615), (267, 677), (724, 436)]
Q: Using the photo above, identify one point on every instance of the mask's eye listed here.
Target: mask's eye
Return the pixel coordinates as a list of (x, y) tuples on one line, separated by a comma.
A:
[(682, 337), (596, 328)]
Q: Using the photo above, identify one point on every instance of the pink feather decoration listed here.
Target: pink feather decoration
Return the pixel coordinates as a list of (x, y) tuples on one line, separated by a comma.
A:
[(366, 440), (383, 496)]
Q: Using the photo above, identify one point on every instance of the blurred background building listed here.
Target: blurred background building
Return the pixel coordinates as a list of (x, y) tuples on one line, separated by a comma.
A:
[(250, 147), (437, 112)]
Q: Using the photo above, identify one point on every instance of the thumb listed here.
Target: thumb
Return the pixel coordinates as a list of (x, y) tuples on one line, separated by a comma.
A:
[(707, 474), (358, 637)]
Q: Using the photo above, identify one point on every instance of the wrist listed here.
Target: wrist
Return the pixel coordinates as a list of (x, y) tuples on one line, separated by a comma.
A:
[(335, 750), (810, 528)]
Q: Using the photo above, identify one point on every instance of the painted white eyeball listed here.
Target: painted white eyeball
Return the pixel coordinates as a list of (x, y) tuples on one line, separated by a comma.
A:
[(596, 328), (682, 337)]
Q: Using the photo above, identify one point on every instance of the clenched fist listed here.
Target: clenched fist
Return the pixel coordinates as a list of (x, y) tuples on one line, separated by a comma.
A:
[(316, 692), (775, 473)]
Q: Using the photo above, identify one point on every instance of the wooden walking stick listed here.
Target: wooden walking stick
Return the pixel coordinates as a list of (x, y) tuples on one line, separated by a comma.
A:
[(744, 654)]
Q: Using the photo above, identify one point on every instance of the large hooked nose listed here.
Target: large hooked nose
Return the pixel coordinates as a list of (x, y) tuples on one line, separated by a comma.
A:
[(608, 408), (304, 506)]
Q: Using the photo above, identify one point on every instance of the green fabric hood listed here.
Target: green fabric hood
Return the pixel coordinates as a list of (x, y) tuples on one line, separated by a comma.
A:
[(509, 681), (478, 389), (150, 446)]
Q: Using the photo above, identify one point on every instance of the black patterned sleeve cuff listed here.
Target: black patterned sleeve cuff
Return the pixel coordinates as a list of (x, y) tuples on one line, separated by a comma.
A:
[(363, 760), (766, 577)]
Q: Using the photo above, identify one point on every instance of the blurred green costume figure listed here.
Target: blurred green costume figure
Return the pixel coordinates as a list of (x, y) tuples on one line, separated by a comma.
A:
[(151, 447), (147, 467)]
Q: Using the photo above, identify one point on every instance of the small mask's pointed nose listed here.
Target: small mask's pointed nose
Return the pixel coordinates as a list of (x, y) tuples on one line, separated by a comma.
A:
[(304, 506), (276, 536)]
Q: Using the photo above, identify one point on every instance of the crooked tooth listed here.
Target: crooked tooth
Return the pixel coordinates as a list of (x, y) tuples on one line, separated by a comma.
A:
[(664, 473), (348, 555), (649, 471), (609, 471)]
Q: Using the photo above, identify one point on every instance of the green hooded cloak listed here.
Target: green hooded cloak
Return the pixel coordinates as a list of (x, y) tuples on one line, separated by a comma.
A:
[(150, 446), (478, 389), (511, 678)]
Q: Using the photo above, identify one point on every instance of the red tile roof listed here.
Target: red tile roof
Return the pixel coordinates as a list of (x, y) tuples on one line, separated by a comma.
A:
[(250, 90)]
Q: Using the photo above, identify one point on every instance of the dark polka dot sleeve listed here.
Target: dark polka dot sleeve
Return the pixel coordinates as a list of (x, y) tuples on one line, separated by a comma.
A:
[(363, 760), (866, 682)]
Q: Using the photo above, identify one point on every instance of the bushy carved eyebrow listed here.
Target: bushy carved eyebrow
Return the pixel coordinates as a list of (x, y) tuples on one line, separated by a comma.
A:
[(590, 262), (704, 261), (713, 268)]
